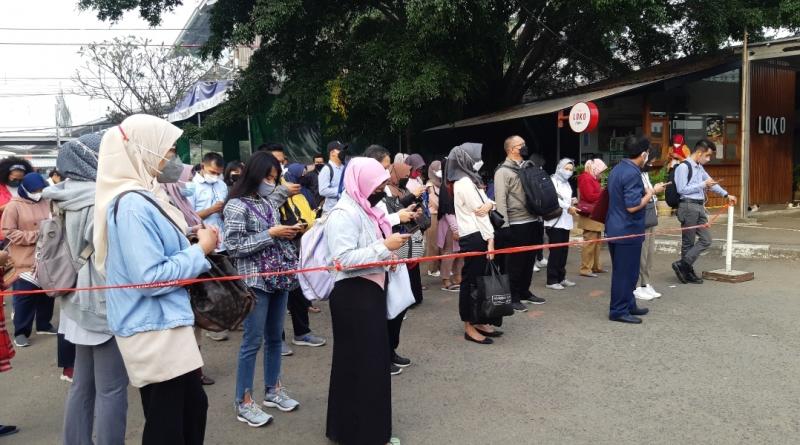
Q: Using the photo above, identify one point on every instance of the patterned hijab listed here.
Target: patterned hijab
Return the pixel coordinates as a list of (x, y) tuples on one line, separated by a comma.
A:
[(77, 159)]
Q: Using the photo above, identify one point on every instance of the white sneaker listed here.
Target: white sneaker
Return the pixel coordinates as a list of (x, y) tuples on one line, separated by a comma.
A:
[(536, 268), (567, 283), (556, 286), (642, 294), (542, 262), (436, 274), (652, 291)]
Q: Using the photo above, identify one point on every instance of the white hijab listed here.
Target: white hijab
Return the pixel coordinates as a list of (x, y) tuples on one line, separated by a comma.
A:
[(127, 161)]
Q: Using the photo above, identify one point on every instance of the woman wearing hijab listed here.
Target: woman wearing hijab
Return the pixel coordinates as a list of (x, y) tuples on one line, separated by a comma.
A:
[(98, 396), (417, 164), (152, 327), (476, 234), (253, 233), (558, 228), (589, 190), (432, 188), (357, 232), (447, 238), (12, 170), (20, 226)]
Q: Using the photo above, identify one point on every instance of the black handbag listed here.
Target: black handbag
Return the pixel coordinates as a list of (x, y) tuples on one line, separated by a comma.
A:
[(218, 305), (497, 219), (650, 215), (494, 294)]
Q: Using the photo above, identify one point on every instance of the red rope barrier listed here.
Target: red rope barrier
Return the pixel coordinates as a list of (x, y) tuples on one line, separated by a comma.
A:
[(337, 267)]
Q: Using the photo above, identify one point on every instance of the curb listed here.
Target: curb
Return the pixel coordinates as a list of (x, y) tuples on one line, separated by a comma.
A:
[(740, 250)]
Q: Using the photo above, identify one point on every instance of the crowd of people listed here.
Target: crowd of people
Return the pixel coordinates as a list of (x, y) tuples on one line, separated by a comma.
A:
[(128, 185)]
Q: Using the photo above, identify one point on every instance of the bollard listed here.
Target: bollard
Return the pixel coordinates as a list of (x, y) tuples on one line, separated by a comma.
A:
[(729, 275)]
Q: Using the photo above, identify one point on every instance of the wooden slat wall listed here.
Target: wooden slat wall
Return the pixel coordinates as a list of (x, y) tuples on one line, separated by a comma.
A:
[(772, 94), (729, 177)]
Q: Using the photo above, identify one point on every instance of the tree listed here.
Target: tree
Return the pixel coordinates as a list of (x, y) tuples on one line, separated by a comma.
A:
[(137, 76), (371, 67)]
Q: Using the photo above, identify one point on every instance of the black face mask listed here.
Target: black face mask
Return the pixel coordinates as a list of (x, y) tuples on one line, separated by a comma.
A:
[(647, 167), (523, 151), (318, 167), (305, 181), (232, 179), (403, 183), (375, 198)]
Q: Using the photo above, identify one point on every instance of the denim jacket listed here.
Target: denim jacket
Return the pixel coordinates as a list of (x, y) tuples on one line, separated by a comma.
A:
[(144, 247), (352, 239)]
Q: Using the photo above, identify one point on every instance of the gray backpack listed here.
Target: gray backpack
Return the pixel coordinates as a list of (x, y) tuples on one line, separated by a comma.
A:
[(55, 267)]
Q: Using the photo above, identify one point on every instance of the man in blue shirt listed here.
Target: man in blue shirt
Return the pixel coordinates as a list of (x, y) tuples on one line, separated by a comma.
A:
[(331, 175), (627, 199), (210, 192), (692, 211)]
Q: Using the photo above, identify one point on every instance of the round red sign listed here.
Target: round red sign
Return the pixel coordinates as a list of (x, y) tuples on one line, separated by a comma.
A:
[(583, 117)]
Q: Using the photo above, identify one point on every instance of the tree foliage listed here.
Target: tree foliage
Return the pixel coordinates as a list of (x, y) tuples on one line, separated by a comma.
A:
[(370, 67), (137, 76)]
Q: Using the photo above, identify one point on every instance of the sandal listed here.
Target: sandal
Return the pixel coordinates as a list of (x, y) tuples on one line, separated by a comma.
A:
[(452, 288), (314, 310)]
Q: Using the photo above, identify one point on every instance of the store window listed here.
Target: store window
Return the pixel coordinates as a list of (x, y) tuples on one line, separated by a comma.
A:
[(722, 131)]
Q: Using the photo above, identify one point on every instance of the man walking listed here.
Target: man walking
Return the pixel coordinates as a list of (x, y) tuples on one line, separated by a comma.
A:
[(691, 182), (627, 199), (331, 175), (519, 227)]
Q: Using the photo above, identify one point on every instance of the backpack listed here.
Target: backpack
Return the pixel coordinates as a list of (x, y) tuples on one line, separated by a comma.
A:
[(314, 253), (55, 267), (541, 198), (671, 194)]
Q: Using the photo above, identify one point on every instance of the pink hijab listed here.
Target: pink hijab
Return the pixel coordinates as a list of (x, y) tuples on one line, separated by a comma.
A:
[(595, 167), (179, 201), (361, 178)]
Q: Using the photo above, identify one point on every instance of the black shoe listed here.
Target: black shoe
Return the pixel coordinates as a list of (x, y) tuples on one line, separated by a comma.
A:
[(692, 277), (399, 361), (495, 333), (639, 311), (486, 341), (519, 307), (394, 369), (677, 266), (7, 430), (533, 299), (627, 319), (206, 380)]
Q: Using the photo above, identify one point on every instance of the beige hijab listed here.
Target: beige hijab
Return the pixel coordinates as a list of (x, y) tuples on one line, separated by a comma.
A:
[(126, 163)]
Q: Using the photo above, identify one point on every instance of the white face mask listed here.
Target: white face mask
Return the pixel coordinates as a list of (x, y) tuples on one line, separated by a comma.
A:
[(438, 174), (35, 196), (211, 179), (477, 166)]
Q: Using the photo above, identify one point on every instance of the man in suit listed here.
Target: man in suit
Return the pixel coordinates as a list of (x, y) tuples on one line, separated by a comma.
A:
[(627, 199)]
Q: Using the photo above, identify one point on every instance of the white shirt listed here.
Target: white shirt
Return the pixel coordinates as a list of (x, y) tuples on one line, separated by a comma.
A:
[(564, 191), (467, 198)]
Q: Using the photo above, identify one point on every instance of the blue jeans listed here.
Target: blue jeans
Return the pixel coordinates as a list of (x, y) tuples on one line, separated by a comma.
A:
[(264, 324)]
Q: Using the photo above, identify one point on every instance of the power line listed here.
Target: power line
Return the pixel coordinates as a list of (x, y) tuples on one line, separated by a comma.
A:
[(99, 29), (96, 44)]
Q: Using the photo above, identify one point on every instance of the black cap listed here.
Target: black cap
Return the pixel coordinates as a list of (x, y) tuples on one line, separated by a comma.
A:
[(336, 145)]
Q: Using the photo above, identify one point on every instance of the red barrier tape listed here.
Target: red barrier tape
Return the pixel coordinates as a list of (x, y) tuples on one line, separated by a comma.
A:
[(339, 267)]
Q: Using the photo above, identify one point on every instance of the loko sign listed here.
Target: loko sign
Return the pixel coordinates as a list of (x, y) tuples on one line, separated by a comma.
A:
[(771, 126), (583, 117)]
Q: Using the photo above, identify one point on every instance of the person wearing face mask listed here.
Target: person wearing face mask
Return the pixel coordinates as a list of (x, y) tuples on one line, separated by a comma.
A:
[(20, 226), (433, 188), (520, 225), (233, 171), (627, 200), (589, 190), (12, 171), (645, 291), (358, 232), (255, 238), (679, 151), (139, 237), (476, 234), (210, 192), (558, 228), (331, 175), (691, 182), (415, 178)]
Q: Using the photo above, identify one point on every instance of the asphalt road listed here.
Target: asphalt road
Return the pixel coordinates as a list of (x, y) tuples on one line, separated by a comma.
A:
[(712, 364)]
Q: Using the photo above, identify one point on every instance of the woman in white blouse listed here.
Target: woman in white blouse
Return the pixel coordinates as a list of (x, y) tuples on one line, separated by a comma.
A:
[(475, 232), (558, 228)]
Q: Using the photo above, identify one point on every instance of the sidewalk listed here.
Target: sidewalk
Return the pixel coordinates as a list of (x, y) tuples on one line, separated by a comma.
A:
[(771, 234)]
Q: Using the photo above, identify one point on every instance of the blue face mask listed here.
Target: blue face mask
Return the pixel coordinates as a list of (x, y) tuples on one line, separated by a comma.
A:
[(187, 192)]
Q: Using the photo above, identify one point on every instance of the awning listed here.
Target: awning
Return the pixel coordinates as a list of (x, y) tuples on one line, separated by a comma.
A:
[(201, 97), (543, 106)]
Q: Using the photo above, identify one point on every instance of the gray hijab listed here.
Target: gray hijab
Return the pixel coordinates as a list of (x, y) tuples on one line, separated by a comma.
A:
[(460, 161), (77, 159)]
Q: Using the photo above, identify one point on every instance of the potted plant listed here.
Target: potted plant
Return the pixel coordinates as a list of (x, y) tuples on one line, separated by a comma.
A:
[(661, 176)]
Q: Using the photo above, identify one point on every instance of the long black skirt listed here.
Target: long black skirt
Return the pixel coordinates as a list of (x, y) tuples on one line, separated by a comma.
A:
[(360, 395)]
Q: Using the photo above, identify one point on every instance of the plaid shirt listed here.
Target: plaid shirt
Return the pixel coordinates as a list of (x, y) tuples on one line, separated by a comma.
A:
[(246, 236)]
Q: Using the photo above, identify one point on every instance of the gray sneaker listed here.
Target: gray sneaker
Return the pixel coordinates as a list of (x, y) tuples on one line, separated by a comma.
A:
[(21, 341), (251, 414), (281, 400), (309, 340), (567, 283), (286, 350), (49, 331)]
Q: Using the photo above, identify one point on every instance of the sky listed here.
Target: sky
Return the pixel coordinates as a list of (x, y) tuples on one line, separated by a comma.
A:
[(40, 70)]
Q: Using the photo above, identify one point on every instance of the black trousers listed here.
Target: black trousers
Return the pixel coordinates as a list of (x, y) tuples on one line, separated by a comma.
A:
[(65, 352), (298, 306), (416, 282), (27, 308), (175, 411), (474, 266), (538, 239), (519, 266), (557, 261), (393, 326)]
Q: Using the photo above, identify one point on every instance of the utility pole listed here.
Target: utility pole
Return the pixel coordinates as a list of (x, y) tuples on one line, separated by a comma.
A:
[(744, 199)]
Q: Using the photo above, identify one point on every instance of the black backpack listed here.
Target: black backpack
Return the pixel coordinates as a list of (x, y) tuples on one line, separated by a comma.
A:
[(671, 194), (541, 198)]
